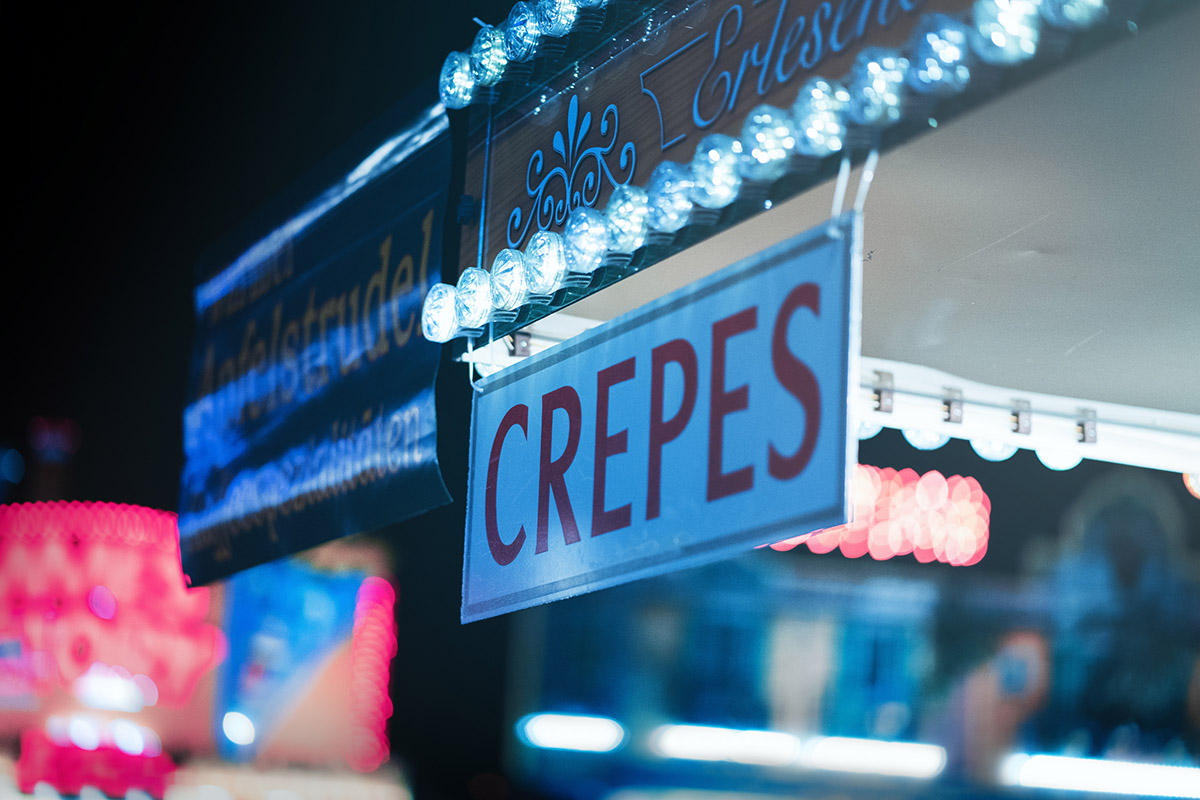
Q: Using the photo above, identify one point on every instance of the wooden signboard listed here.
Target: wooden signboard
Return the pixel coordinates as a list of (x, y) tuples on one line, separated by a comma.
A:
[(649, 93)]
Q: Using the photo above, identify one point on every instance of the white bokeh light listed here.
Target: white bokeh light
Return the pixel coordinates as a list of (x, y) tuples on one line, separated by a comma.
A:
[(238, 728)]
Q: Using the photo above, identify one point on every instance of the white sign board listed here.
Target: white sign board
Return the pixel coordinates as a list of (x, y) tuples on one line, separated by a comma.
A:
[(708, 422)]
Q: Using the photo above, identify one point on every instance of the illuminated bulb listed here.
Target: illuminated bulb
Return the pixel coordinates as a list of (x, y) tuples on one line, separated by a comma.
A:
[(521, 32), (768, 138), (992, 450), (555, 17), (940, 49), (1192, 481), (877, 87), (818, 113), (867, 430), (456, 85), (715, 171), (1004, 31), (127, 737), (473, 298), (571, 732), (585, 240), (545, 263), (509, 288), (925, 440), (628, 212), (1073, 14), (669, 195), (152, 744), (83, 733), (488, 58), (56, 729), (438, 320), (238, 728), (1059, 460)]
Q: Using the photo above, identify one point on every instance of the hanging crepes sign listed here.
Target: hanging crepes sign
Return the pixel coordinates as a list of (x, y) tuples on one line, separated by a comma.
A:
[(310, 411), (699, 426), (666, 78)]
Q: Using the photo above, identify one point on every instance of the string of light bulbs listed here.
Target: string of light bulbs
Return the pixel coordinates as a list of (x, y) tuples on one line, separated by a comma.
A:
[(939, 61)]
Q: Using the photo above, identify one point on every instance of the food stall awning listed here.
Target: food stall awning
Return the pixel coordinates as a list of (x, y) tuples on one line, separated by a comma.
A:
[(1047, 242)]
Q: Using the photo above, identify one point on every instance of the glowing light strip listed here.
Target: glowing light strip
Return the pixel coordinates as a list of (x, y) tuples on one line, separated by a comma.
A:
[(778, 749), (707, 743), (1100, 775), (571, 732), (871, 756)]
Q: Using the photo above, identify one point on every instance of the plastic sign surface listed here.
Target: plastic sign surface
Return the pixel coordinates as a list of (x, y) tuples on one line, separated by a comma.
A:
[(692, 429)]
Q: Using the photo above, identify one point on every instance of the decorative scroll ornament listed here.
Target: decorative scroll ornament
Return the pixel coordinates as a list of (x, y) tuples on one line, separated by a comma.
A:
[(562, 189)]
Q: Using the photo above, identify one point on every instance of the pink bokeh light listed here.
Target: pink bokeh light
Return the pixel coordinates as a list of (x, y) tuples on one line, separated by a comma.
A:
[(898, 512), (87, 583)]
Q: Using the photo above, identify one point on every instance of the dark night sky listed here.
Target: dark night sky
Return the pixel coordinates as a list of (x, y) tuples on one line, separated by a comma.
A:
[(145, 135)]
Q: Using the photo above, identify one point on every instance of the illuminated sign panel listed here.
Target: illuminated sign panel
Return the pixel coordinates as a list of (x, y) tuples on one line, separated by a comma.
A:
[(707, 422)]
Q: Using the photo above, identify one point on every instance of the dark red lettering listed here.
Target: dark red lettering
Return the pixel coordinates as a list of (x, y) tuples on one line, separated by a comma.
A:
[(681, 352), (607, 445), (722, 403), (795, 376), (551, 471), (503, 553)]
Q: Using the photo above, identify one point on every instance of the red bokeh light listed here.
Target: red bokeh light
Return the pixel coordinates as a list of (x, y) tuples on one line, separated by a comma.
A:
[(896, 513)]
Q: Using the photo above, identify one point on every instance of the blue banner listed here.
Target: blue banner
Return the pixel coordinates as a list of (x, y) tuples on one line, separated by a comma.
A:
[(694, 428), (310, 403)]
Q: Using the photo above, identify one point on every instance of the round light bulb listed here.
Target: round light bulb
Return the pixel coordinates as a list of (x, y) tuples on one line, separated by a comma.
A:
[(1059, 460), (555, 17), (510, 290), (925, 440), (819, 116), (868, 430), (521, 33), (1073, 15), (456, 85), (438, 320), (669, 196), (877, 87), (586, 238), (545, 263), (473, 298), (715, 176), (993, 450), (1004, 31), (940, 52), (1191, 480), (768, 139), (488, 58), (628, 212)]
